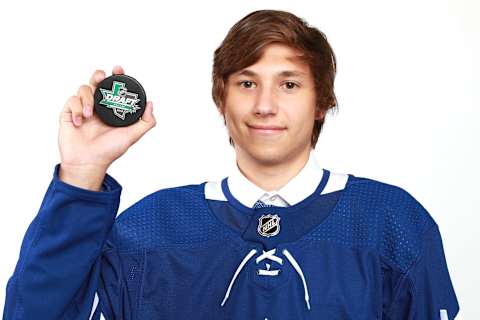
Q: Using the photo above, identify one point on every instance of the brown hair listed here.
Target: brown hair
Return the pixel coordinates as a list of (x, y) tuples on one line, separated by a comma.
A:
[(246, 41)]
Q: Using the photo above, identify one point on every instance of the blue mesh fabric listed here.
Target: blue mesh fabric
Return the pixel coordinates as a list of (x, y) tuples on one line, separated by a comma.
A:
[(370, 251), (170, 217), (172, 232), (373, 214)]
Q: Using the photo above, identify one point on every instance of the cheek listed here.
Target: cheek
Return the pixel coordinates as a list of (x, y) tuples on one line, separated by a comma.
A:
[(234, 120), (302, 122), (236, 110)]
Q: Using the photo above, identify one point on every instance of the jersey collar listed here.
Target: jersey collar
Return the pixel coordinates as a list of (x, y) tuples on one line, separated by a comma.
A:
[(296, 190)]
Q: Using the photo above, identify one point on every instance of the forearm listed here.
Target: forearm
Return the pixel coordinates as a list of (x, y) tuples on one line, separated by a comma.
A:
[(59, 250)]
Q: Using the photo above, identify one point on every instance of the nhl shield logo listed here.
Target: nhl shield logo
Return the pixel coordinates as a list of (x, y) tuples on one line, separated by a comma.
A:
[(269, 225)]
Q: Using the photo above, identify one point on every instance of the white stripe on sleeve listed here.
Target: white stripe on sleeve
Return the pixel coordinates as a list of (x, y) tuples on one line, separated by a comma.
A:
[(443, 314), (94, 307)]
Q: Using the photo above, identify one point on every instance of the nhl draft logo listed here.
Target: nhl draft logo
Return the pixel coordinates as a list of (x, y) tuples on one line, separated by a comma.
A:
[(120, 100), (269, 225)]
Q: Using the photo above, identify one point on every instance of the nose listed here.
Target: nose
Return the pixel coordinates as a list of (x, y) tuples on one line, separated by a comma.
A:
[(266, 102)]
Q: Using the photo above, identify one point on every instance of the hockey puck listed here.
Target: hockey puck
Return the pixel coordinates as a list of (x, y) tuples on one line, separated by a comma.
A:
[(119, 100)]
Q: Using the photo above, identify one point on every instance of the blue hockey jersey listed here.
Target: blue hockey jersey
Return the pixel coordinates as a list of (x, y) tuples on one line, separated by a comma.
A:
[(368, 251)]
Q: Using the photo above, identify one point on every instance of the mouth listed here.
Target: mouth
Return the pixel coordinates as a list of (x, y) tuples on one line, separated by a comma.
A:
[(266, 129)]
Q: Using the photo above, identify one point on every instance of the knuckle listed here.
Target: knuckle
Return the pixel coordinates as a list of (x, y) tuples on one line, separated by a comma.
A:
[(85, 92), (71, 99), (74, 104), (96, 75), (71, 102), (84, 88), (98, 72)]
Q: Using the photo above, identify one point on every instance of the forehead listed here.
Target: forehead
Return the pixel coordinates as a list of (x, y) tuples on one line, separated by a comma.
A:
[(278, 59)]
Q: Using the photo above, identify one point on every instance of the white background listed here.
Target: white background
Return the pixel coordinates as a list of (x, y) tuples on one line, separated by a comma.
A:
[(407, 86)]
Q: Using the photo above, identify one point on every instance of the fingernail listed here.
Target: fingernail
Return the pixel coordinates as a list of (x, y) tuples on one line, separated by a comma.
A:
[(78, 121)]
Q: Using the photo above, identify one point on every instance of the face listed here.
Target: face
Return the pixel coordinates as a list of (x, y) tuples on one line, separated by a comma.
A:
[(270, 107)]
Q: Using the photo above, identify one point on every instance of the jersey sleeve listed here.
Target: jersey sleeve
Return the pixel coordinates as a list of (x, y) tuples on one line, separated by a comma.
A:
[(417, 283), (58, 270)]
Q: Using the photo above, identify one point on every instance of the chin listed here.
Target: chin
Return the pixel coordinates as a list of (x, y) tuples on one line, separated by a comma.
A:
[(268, 156)]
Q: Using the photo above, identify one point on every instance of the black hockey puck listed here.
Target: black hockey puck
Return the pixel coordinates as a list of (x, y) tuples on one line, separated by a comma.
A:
[(119, 100)]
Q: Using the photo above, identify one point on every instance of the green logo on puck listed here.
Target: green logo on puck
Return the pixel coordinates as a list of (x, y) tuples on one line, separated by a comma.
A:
[(120, 100)]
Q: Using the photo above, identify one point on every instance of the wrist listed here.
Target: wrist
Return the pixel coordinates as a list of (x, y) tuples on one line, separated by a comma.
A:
[(82, 176)]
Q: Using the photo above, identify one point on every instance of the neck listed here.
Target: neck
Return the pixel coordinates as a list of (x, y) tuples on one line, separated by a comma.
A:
[(272, 176)]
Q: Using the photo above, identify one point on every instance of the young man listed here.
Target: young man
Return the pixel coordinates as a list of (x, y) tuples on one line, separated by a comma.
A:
[(280, 238)]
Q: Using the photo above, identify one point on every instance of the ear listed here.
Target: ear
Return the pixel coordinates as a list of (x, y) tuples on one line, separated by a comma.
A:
[(220, 110), (319, 113), (222, 114)]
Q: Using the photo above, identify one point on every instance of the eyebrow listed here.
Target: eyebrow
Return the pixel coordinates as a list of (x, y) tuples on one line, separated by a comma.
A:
[(284, 73)]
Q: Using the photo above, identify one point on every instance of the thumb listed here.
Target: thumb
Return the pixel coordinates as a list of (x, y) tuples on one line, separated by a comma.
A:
[(145, 123)]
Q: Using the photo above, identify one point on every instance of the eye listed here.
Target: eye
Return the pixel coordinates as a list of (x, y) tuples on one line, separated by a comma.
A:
[(249, 83), (291, 85)]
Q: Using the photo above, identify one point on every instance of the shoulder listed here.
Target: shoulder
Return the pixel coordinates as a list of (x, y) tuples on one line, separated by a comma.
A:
[(177, 215), (402, 219), (163, 199), (391, 199)]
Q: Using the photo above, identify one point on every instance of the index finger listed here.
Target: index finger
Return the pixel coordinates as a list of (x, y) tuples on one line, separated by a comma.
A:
[(95, 79), (99, 75), (117, 70)]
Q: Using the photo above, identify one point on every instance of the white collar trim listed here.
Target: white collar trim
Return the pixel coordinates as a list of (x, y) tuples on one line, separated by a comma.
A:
[(296, 190)]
